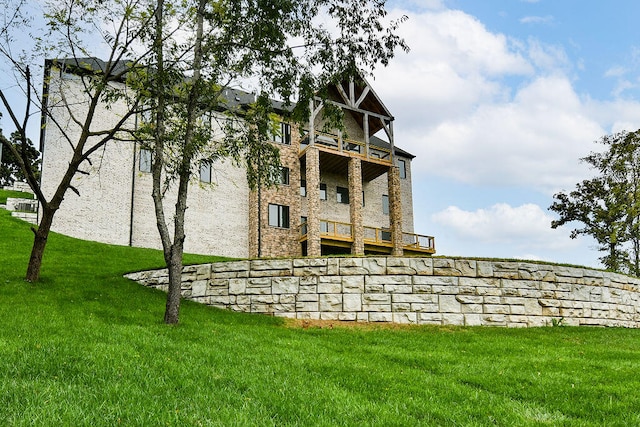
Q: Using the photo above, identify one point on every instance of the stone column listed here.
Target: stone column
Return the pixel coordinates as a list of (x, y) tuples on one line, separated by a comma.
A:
[(395, 210), (355, 205), (253, 224), (313, 200)]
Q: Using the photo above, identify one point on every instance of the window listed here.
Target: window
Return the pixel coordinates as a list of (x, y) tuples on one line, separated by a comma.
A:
[(303, 188), (205, 172), (284, 176), (282, 135), (145, 160), (278, 216), (402, 165), (323, 191), (324, 227), (363, 199), (385, 204), (342, 195)]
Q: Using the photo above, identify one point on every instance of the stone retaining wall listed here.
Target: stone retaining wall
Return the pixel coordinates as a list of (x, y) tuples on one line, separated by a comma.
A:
[(437, 291)]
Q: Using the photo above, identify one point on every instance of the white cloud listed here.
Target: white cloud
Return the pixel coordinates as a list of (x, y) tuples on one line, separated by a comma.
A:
[(479, 107), (537, 19), (526, 226)]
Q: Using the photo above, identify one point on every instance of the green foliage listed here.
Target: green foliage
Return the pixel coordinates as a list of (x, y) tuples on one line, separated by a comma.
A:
[(10, 170), (608, 205), (86, 347)]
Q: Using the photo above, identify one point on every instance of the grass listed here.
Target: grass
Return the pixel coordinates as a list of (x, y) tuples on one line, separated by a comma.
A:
[(87, 347), (4, 194)]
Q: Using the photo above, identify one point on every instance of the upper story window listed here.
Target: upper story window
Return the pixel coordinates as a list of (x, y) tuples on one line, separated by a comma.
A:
[(282, 134), (342, 195), (323, 191), (284, 176), (205, 172), (278, 216), (145, 160), (402, 166), (303, 188), (385, 204)]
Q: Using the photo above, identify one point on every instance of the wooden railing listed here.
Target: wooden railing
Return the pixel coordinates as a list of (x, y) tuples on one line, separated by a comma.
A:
[(337, 143), (372, 235)]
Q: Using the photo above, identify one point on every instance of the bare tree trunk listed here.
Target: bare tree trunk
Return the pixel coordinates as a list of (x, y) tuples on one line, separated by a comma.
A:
[(41, 235), (174, 261)]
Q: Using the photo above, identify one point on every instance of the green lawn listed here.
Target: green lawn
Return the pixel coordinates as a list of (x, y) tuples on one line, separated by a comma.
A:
[(87, 347), (15, 194)]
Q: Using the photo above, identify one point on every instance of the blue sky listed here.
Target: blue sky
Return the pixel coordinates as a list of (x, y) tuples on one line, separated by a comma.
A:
[(498, 99)]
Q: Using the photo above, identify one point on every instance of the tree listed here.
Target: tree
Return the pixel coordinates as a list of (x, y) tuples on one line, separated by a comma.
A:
[(282, 45), (10, 170), (68, 27), (608, 205)]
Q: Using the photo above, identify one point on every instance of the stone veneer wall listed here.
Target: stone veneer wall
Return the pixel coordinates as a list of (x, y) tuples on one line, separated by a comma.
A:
[(436, 291)]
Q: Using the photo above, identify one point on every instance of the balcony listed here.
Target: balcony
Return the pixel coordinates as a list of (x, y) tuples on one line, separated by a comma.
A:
[(335, 152), (376, 240)]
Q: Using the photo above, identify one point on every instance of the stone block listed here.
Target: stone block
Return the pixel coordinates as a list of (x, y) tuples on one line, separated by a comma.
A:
[(308, 289), (435, 280), (330, 287), (272, 264), (484, 268), (352, 284), (400, 307), (262, 299), (398, 289), (375, 266), (494, 319), (466, 267), (445, 267), (469, 299), (471, 308), (309, 262), (330, 302), (362, 317), (447, 290), (329, 316), (405, 318), (220, 267), (422, 266), (506, 270), (380, 317), (472, 319), (285, 285), (351, 302), (401, 266), (287, 299), (448, 304), (412, 298), (429, 318), (307, 297), (388, 280), (347, 317), (376, 298), (496, 309), (376, 307), (219, 300), (425, 307), (422, 289), (373, 289), (351, 267), (452, 319), (199, 288), (307, 306)]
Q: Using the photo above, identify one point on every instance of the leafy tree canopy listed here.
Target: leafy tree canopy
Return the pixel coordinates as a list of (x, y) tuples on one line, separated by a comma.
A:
[(608, 205)]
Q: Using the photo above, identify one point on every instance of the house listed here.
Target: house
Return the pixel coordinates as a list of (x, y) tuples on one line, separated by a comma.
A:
[(338, 193)]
